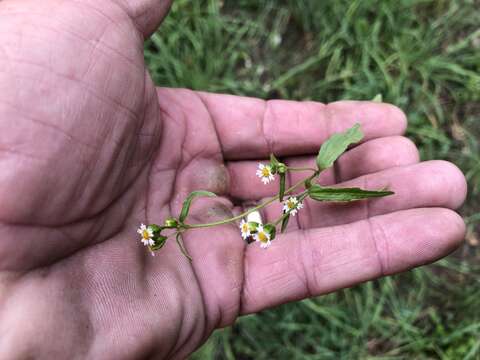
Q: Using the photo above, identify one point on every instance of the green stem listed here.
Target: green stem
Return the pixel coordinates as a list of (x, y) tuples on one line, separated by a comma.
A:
[(262, 205), (280, 219), (181, 245), (302, 169)]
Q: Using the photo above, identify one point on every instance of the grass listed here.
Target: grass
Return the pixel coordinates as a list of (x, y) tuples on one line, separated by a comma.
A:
[(422, 55)]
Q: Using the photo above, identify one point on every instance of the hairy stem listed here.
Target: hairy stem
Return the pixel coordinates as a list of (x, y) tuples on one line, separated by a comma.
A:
[(302, 169), (261, 206)]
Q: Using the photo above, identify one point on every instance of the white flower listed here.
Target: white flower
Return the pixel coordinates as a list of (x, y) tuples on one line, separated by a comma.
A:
[(292, 205), (264, 172), (263, 237), (244, 228), (146, 233)]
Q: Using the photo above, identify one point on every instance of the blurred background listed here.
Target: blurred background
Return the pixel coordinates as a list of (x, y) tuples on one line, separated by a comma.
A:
[(421, 55)]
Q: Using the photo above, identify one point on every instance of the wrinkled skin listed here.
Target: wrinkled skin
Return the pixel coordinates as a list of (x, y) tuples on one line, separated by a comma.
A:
[(89, 148)]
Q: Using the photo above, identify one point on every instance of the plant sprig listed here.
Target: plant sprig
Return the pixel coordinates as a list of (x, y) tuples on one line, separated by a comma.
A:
[(152, 235)]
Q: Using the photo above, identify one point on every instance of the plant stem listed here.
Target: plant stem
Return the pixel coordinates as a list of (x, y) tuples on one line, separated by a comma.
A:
[(302, 169), (181, 245), (280, 219), (262, 205)]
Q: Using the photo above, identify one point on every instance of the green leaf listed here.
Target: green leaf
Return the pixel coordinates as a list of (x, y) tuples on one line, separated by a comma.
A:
[(319, 193), (285, 223), (281, 193), (378, 98), (188, 202), (336, 146)]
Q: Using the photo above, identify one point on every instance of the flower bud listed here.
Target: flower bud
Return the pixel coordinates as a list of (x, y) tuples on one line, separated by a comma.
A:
[(155, 228), (171, 223), (271, 230), (274, 164), (159, 240), (253, 227)]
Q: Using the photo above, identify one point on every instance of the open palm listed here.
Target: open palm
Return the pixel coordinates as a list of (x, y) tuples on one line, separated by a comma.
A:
[(89, 148)]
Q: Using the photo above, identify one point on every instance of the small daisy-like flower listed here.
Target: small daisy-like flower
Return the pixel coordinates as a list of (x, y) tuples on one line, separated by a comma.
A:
[(263, 237), (264, 172), (292, 205), (146, 233), (245, 229)]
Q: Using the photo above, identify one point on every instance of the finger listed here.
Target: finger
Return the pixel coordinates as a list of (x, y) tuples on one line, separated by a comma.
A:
[(369, 157), (251, 128), (428, 184), (318, 261), (146, 14), (376, 155)]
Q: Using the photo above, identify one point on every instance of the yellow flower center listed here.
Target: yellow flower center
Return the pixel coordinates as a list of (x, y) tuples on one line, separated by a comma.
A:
[(245, 227), (262, 237), (145, 234), (291, 205), (265, 172)]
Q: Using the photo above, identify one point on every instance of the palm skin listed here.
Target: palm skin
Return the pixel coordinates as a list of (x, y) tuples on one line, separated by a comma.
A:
[(89, 149)]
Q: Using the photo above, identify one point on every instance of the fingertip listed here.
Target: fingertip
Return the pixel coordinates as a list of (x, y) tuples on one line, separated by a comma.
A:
[(147, 15), (447, 225), (449, 228), (377, 119), (416, 237), (376, 155), (410, 152), (457, 228), (456, 183), (399, 117)]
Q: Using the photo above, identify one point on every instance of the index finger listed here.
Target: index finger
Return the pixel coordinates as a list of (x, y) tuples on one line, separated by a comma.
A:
[(250, 128)]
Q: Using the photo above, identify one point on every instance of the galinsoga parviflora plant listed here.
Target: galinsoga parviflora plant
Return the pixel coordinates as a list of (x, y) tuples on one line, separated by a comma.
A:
[(153, 237)]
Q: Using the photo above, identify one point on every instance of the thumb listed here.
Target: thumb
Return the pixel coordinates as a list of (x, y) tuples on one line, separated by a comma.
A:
[(146, 14)]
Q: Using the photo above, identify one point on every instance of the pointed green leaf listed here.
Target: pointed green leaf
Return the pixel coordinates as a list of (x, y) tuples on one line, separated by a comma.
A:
[(378, 98), (319, 193), (336, 146), (188, 202), (285, 223), (281, 194)]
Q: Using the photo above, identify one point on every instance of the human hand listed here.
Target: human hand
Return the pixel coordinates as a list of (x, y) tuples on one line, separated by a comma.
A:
[(89, 149)]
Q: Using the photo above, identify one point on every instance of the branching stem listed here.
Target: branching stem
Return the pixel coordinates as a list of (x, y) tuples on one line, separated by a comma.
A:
[(256, 208)]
